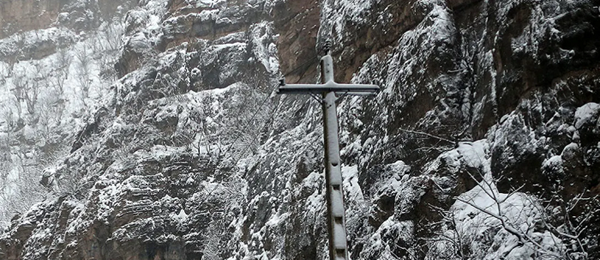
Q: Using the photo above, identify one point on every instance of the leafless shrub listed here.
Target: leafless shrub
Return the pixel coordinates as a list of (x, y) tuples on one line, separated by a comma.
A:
[(84, 62)]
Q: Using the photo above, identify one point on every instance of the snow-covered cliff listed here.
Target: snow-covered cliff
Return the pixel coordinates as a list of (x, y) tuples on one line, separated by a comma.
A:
[(163, 138)]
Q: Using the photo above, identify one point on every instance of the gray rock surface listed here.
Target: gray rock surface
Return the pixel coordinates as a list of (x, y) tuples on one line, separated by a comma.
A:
[(483, 143)]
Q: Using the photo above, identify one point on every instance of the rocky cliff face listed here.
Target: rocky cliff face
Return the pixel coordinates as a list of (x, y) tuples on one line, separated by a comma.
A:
[(23, 24), (483, 143), (27, 15)]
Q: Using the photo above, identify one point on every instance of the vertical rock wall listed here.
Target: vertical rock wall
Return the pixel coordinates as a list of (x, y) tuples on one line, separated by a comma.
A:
[(24, 16), (194, 157)]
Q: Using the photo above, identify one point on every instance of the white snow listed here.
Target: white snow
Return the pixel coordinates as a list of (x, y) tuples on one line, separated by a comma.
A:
[(483, 211), (586, 113), (263, 40), (486, 220), (181, 217)]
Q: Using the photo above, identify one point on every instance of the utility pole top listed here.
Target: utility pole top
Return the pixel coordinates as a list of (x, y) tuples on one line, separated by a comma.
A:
[(328, 83)]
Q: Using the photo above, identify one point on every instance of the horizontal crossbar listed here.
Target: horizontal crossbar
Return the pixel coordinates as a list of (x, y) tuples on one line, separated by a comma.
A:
[(350, 89)]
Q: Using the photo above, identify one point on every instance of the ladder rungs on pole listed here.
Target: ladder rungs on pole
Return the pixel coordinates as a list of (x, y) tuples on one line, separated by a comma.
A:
[(339, 236), (335, 178), (337, 204)]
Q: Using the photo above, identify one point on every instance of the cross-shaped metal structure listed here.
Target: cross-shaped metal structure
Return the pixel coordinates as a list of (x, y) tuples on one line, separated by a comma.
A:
[(336, 223)]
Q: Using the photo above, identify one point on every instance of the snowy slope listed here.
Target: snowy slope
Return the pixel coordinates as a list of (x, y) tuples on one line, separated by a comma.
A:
[(53, 80)]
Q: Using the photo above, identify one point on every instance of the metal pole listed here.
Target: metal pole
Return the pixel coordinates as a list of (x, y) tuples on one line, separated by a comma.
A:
[(336, 224)]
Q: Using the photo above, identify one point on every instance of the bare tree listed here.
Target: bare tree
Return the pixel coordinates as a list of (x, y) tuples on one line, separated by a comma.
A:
[(222, 200), (113, 33), (6, 73), (454, 242), (21, 190), (20, 85), (58, 84), (32, 90), (559, 217), (64, 60), (84, 70), (451, 244)]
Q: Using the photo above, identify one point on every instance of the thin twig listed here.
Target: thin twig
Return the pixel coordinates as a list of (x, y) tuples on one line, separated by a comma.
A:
[(428, 135)]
